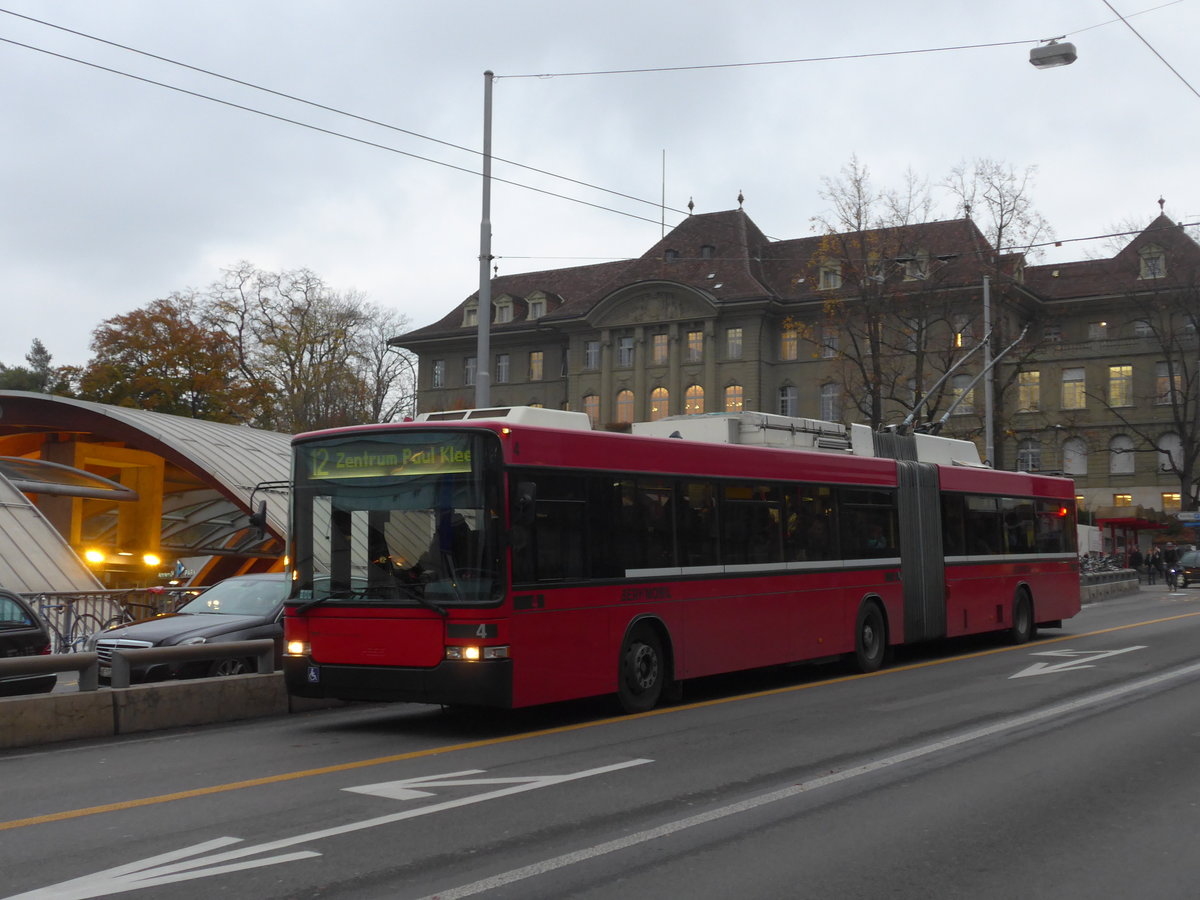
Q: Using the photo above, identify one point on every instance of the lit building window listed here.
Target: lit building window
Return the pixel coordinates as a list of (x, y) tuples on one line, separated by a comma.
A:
[(625, 406), (591, 406), (660, 403), (695, 346), (1073, 389), (1120, 385), (1171, 502), (536, 361), (1029, 391), (733, 398), (1122, 499), (789, 344), (693, 400)]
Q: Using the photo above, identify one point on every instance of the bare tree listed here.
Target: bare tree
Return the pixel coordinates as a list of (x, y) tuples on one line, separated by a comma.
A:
[(1000, 201), (316, 356)]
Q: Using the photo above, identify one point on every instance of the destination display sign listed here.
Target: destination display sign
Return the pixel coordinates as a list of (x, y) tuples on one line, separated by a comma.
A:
[(378, 459)]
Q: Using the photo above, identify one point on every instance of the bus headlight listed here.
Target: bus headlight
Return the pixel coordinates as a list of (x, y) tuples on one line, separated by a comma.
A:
[(297, 648), (472, 653)]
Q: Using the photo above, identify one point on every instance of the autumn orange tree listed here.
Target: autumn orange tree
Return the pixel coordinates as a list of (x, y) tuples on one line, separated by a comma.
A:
[(170, 356)]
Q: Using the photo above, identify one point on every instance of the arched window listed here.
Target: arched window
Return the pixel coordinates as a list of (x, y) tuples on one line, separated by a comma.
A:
[(788, 404), (1170, 452), (591, 406), (693, 400), (1075, 454), (660, 403), (625, 406), (733, 398), (1029, 456), (831, 402), (1120, 451)]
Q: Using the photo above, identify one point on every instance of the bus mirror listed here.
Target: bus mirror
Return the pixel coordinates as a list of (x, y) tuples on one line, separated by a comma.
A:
[(526, 501)]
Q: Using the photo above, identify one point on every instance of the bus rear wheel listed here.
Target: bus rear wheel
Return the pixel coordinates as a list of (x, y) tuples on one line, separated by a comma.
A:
[(1023, 627), (642, 671), (870, 639)]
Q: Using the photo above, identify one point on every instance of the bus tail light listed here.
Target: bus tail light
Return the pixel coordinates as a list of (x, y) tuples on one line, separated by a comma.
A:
[(471, 653), (298, 648)]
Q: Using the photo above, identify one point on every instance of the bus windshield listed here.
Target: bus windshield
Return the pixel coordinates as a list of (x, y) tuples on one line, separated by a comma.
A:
[(394, 517)]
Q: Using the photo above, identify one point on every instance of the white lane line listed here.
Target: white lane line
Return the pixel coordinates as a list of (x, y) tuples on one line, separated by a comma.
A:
[(752, 803)]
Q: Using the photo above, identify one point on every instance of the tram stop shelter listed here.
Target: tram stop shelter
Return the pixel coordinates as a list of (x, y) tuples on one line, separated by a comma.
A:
[(95, 496), (1121, 525)]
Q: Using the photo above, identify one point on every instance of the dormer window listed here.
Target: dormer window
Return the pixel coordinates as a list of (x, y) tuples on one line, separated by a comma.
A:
[(916, 267), (471, 315), (829, 277), (537, 309), (504, 310), (707, 251), (1153, 262)]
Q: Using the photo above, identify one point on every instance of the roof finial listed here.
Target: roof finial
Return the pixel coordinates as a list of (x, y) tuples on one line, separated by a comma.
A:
[(741, 199), (1161, 201), (691, 205)]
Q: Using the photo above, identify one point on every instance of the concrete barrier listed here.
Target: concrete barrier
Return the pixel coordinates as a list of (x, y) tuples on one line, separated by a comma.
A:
[(48, 718), (1096, 586)]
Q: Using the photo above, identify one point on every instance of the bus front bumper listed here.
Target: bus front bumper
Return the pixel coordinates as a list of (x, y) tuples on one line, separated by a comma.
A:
[(487, 683)]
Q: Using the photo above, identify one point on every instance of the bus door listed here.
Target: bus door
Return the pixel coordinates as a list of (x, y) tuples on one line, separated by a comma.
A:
[(921, 561)]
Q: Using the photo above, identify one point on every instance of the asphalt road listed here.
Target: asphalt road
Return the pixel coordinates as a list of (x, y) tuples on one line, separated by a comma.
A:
[(1063, 768)]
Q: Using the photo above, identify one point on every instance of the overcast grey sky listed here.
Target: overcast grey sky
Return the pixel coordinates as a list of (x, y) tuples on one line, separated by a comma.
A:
[(115, 192)]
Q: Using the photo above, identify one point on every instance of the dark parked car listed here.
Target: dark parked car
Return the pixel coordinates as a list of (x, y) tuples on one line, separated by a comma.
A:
[(243, 608), (1189, 567), (22, 633)]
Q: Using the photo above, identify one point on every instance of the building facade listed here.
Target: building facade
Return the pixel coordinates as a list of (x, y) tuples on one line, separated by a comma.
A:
[(882, 327)]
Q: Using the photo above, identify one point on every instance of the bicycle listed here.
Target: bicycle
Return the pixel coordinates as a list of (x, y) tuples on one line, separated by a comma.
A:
[(69, 628), (1172, 578)]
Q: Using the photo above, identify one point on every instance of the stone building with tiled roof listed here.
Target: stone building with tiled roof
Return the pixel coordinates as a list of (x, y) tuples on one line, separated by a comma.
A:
[(715, 316)]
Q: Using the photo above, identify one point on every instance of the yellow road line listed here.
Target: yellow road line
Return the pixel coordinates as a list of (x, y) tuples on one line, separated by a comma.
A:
[(528, 735)]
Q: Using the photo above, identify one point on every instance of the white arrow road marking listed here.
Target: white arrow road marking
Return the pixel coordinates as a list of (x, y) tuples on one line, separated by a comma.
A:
[(1077, 659), (176, 865)]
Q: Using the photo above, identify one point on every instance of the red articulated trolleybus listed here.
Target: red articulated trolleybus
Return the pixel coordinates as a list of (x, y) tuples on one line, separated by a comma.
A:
[(511, 557)]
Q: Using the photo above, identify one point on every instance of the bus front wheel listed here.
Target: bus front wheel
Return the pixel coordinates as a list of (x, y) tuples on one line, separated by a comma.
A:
[(1023, 628), (870, 638), (642, 672)]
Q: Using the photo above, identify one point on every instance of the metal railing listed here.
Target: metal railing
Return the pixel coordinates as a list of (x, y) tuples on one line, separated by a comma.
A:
[(74, 616), (88, 664)]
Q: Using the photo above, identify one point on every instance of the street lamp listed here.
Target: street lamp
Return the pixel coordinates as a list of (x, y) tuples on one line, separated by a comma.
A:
[(1053, 54)]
